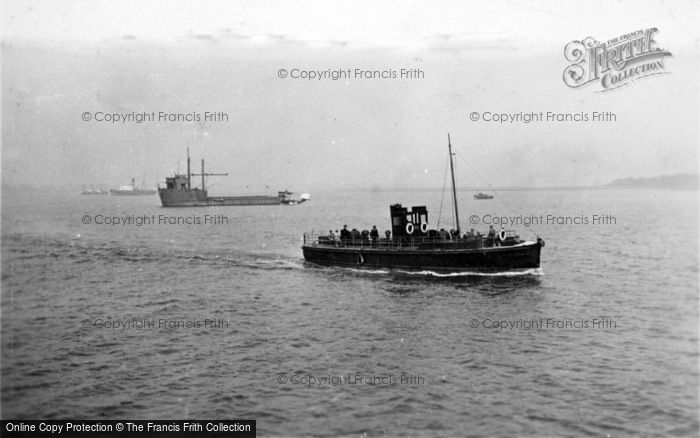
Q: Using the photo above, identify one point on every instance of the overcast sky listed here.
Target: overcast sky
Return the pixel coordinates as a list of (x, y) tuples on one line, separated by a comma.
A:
[(63, 58), (363, 23)]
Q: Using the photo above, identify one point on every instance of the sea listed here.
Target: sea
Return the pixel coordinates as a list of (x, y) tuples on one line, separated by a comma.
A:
[(212, 313)]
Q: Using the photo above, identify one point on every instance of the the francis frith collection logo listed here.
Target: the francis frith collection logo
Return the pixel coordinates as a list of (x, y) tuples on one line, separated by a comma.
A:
[(616, 62)]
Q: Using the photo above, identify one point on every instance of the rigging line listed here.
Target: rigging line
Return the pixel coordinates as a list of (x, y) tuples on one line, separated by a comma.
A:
[(442, 198), (483, 180)]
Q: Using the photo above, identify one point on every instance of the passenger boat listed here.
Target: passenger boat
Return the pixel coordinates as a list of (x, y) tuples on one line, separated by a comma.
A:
[(411, 244)]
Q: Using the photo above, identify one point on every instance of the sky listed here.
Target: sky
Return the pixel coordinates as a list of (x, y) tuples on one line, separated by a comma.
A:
[(362, 23), (61, 59)]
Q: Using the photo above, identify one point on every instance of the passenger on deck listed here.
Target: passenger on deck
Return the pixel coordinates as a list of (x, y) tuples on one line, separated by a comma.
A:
[(374, 234), (331, 235), (338, 241), (491, 236), (365, 235), (344, 233), (479, 240)]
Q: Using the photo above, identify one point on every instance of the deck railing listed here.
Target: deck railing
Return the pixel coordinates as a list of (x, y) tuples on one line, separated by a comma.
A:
[(476, 241)]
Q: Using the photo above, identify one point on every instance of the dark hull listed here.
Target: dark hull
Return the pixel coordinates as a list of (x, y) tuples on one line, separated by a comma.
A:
[(225, 201), (493, 259), (197, 198)]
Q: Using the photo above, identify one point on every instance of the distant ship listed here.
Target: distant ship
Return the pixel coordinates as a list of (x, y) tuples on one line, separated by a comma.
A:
[(482, 196), (178, 192), (411, 244), (132, 190)]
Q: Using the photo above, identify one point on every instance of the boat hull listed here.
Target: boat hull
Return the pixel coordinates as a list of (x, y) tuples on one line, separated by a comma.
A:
[(493, 259), (198, 198)]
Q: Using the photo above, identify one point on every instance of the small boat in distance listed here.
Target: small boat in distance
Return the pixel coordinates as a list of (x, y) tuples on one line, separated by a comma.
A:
[(93, 191), (482, 196), (411, 244), (132, 190), (178, 192)]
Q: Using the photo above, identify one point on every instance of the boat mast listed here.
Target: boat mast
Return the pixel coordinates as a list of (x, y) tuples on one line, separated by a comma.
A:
[(203, 174), (454, 189), (188, 169)]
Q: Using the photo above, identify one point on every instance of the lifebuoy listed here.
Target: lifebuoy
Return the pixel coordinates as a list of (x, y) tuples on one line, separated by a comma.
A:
[(360, 259), (409, 228), (424, 227), (502, 235)]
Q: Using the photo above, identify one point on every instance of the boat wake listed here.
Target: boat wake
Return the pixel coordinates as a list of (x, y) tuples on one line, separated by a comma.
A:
[(521, 273), (82, 251), (533, 272), (246, 260), (274, 264)]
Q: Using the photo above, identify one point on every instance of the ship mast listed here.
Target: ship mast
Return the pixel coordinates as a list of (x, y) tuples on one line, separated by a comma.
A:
[(203, 174), (454, 189)]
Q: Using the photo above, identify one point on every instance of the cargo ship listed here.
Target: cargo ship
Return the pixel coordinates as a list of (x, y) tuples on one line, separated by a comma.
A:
[(411, 244), (132, 190), (482, 196), (178, 192)]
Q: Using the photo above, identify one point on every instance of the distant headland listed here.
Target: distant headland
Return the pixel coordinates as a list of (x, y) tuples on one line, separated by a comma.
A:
[(678, 181)]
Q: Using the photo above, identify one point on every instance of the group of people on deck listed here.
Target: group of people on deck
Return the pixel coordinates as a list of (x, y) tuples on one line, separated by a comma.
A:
[(355, 234)]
